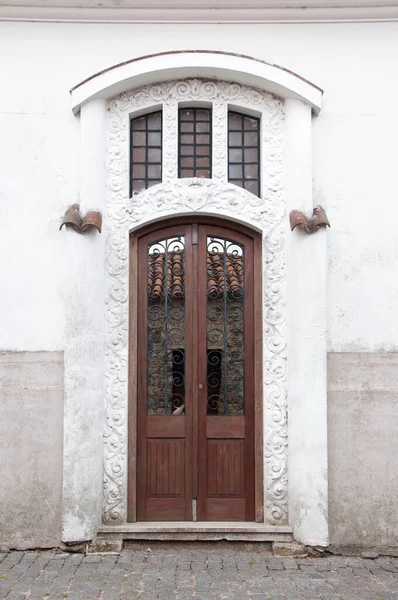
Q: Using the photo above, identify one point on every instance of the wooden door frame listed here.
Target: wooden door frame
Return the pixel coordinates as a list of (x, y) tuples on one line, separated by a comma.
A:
[(133, 365)]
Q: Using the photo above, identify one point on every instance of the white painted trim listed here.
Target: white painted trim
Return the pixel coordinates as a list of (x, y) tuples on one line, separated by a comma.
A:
[(206, 64), (248, 14)]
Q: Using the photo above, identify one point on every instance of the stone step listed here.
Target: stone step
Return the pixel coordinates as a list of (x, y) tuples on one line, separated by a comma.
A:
[(109, 535)]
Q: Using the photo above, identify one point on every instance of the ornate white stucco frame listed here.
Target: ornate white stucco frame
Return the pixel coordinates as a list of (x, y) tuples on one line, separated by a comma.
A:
[(176, 197)]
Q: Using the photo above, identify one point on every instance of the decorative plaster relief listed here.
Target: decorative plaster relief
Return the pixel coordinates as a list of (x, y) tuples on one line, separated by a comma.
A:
[(184, 197)]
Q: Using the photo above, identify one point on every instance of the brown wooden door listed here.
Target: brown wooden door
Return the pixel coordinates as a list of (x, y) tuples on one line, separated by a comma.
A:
[(195, 389)]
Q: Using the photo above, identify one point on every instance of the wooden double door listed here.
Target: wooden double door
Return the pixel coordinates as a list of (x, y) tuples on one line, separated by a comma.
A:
[(195, 377)]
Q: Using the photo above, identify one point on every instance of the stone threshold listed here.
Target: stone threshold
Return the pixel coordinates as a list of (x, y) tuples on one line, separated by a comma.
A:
[(196, 531), (195, 526)]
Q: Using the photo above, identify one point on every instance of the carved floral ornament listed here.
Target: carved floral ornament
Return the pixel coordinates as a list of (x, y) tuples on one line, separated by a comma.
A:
[(186, 197)]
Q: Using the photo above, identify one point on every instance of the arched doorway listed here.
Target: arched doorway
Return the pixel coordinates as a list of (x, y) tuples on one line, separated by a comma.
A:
[(195, 385)]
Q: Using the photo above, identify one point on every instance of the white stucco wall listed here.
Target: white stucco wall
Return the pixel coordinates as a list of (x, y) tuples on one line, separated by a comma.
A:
[(354, 152), (355, 145)]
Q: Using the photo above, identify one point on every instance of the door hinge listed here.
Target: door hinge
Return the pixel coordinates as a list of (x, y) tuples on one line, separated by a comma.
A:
[(194, 516)]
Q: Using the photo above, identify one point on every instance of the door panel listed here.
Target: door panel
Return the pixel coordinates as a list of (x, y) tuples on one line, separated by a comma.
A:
[(225, 471), (164, 439), (195, 406), (225, 375)]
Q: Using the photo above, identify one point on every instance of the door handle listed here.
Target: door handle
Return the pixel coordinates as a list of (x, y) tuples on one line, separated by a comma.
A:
[(200, 386)]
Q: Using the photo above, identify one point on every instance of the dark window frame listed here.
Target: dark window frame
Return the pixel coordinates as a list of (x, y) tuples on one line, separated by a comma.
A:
[(148, 181), (195, 145), (243, 147)]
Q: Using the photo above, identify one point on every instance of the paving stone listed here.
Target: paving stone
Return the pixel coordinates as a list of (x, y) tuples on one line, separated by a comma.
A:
[(369, 554), (194, 572)]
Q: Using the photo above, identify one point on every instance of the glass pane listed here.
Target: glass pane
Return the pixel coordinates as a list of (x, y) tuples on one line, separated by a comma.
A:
[(155, 122), (166, 327), (251, 172), (187, 173), (235, 121), (139, 171), (235, 139), (139, 155), (203, 162), (186, 150), (251, 139), (154, 155), (152, 182), (202, 173), (250, 124), (225, 327), (154, 171), (187, 127), (202, 150), (251, 155), (237, 182), (186, 115), (235, 155), (202, 139), (235, 171), (138, 124), (187, 163), (203, 114), (154, 139), (139, 138), (202, 127), (186, 138), (138, 185), (252, 186)]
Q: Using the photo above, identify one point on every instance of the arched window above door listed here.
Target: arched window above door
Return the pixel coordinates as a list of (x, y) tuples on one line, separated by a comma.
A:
[(197, 128)]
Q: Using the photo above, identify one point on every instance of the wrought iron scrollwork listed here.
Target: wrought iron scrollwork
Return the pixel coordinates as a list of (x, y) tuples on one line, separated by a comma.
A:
[(166, 327), (225, 332)]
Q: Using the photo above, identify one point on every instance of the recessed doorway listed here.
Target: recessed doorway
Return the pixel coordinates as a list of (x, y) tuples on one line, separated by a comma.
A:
[(194, 325)]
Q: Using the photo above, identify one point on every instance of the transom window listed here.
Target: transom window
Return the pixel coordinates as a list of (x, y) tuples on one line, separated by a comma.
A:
[(194, 142), (146, 151), (195, 148), (243, 152)]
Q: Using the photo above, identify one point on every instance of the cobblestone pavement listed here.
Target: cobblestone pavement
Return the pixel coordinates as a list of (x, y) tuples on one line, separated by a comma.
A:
[(194, 571)]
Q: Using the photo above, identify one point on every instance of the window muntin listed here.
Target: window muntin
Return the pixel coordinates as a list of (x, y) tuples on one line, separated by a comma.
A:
[(244, 151), (194, 142), (146, 151)]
